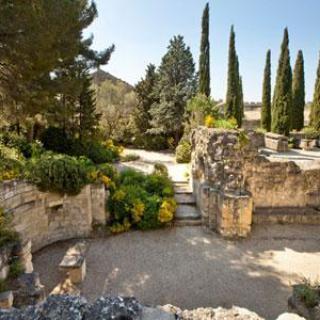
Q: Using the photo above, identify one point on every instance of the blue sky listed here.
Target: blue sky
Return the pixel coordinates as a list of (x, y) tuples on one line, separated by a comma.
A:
[(141, 30)]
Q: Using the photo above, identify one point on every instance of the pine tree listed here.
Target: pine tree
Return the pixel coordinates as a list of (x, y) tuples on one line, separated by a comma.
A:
[(88, 117), (147, 96), (298, 94), (233, 99), (282, 99), (204, 63), (315, 107), (175, 87), (266, 95)]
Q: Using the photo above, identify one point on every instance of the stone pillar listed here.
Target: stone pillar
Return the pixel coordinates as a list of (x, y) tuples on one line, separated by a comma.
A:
[(234, 216), (23, 252)]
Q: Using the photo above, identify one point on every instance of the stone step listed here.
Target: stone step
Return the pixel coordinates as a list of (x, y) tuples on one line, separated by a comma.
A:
[(187, 223), (187, 212), (182, 188), (185, 198)]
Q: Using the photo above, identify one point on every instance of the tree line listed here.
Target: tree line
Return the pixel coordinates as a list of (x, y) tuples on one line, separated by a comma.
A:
[(45, 64)]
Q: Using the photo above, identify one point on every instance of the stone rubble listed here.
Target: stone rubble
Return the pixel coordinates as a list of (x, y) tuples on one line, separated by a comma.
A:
[(65, 307)]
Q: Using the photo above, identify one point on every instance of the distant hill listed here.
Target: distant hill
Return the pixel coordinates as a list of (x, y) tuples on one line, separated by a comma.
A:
[(100, 76)]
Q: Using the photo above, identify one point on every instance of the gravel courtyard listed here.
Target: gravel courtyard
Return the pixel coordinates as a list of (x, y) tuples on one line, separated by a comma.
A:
[(190, 268)]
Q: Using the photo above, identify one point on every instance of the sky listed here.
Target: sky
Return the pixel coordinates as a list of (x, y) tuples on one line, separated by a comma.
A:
[(141, 30)]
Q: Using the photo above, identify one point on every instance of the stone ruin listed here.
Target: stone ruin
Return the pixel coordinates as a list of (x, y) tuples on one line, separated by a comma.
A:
[(236, 186)]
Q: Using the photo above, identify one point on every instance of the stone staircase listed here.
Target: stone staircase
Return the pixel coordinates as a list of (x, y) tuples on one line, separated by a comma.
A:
[(187, 213)]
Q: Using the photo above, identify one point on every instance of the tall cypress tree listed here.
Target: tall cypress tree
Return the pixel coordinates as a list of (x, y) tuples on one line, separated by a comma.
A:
[(298, 94), (204, 63), (282, 99), (266, 95), (241, 113), (233, 99), (315, 107)]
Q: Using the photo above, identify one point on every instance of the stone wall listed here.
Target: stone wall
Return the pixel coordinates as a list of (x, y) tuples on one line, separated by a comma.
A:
[(281, 191), (45, 218)]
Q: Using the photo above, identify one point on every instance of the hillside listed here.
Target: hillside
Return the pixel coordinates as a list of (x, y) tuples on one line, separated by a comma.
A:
[(101, 76)]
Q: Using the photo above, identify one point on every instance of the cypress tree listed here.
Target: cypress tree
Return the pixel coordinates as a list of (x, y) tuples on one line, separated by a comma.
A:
[(282, 99), (298, 94), (241, 113), (266, 95), (233, 99), (315, 107), (204, 63)]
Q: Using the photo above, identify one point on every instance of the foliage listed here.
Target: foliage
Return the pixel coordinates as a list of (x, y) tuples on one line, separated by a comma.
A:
[(308, 293), (7, 234), (58, 173), (130, 157), (266, 95), (204, 62), (310, 133), (234, 99), (54, 139), (161, 170), (200, 107), (175, 87), (226, 124), (282, 99), (298, 94), (42, 68), (116, 102), (3, 285), (142, 201), (10, 169), (183, 152), (88, 116), (209, 121), (15, 268), (315, 107), (147, 96)]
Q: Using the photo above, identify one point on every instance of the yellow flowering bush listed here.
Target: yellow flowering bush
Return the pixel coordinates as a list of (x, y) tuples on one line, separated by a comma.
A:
[(120, 228), (209, 121), (167, 210), (137, 211), (119, 195)]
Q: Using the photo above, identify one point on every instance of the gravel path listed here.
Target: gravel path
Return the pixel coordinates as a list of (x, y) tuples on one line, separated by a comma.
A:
[(190, 268)]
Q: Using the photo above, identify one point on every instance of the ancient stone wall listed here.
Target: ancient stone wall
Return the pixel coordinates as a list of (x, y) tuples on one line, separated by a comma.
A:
[(45, 218), (281, 191)]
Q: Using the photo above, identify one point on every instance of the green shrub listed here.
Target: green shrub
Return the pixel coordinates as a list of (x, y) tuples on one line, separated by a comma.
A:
[(3, 285), (130, 157), (56, 140), (154, 142), (161, 169), (99, 154), (226, 123), (7, 234), (308, 293), (58, 173), (183, 152), (15, 268), (310, 133), (10, 169)]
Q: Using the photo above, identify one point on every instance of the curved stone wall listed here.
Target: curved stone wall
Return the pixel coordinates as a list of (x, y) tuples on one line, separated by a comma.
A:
[(45, 218)]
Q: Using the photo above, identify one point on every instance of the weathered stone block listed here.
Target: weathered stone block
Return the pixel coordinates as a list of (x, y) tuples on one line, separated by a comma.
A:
[(276, 142), (6, 300), (234, 217)]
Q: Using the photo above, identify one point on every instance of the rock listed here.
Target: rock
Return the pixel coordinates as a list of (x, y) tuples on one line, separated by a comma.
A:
[(158, 314), (114, 308), (6, 300), (235, 313), (289, 316), (28, 290)]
